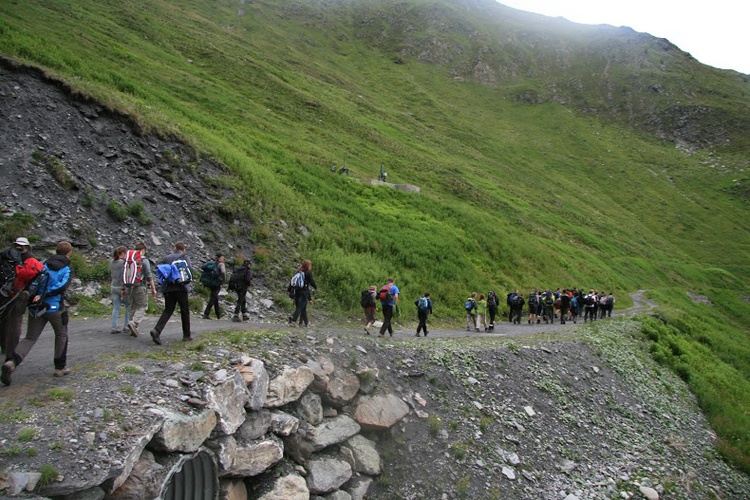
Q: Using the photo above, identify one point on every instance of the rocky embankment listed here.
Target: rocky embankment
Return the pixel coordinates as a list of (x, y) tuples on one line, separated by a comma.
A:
[(329, 414)]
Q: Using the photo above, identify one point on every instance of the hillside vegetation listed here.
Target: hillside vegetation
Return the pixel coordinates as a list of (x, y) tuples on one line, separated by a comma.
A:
[(547, 154)]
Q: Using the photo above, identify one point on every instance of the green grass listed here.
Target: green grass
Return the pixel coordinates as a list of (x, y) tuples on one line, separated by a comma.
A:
[(512, 194)]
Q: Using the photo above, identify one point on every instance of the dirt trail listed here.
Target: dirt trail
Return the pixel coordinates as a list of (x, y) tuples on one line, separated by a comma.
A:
[(89, 338)]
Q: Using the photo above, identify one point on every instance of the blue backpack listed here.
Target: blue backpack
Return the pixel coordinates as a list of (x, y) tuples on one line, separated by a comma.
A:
[(423, 304), (176, 273)]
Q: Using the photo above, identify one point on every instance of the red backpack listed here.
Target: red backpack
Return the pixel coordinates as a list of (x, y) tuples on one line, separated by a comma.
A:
[(132, 270), (26, 272)]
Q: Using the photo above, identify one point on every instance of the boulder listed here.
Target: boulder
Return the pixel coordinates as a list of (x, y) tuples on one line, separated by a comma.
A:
[(288, 386), (184, 433), (379, 412), (291, 487), (327, 474), (242, 459), (228, 398)]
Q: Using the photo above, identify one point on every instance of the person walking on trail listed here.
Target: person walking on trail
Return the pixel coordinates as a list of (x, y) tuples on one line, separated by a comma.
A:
[(241, 278), (175, 294), (135, 290), (302, 294), (424, 309), (47, 306), (388, 297), (517, 308), (22, 268), (369, 303), (481, 313), (117, 287), (492, 305), (471, 312), (214, 273), (533, 305)]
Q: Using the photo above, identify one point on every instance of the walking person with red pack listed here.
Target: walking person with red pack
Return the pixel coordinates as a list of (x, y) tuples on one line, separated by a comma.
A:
[(388, 297), (136, 276)]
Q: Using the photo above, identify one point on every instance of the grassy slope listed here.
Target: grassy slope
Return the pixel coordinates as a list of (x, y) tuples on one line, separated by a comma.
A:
[(513, 195)]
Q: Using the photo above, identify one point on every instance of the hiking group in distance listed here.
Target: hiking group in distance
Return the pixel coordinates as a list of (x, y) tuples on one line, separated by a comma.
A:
[(567, 305)]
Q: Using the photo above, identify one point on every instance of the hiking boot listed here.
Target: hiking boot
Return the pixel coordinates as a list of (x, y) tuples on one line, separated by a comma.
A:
[(206, 316), (245, 317), (417, 334), (61, 372), (236, 319), (425, 333), (114, 331), (133, 329), (7, 372), (155, 337), (187, 339)]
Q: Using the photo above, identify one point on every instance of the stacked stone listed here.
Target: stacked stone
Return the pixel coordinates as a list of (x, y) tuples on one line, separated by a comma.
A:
[(244, 427)]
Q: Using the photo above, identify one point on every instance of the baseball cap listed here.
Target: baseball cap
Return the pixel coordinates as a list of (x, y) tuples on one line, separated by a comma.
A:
[(23, 242)]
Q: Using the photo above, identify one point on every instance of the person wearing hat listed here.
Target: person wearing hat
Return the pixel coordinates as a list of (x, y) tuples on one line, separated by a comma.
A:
[(47, 306), (15, 296), (369, 305), (214, 272)]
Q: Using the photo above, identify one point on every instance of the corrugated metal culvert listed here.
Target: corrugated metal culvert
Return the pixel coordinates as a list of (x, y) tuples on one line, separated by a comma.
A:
[(195, 478)]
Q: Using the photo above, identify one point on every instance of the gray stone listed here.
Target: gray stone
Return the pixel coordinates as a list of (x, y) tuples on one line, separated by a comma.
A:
[(310, 408), (288, 386), (256, 425), (338, 495), (649, 493), (145, 480), (366, 457), (342, 387), (368, 379), (284, 424), (184, 433), (291, 487), (358, 486), (231, 489), (256, 379), (380, 412), (242, 459), (333, 431), (228, 399), (327, 474)]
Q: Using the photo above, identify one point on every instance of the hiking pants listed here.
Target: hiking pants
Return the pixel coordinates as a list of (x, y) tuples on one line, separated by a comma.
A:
[(301, 298), (241, 306), (422, 322), (171, 300), (11, 326), (517, 311), (589, 313), (213, 301), (117, 302), (387, 316), (369, 315), (563, 314), (549, 313), (471, 321), (59, 322), (493, 313), (137, 303)]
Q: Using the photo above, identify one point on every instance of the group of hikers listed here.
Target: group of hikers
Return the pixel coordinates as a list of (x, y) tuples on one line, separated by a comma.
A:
[(568, 304)]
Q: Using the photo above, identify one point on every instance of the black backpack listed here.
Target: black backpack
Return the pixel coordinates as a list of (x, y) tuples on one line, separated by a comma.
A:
[(9, 259), (492, 300), (237, 280), (368, 298)]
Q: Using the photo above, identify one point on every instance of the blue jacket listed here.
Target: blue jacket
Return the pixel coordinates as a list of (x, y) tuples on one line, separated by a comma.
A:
[(176, 287), (58, 277)]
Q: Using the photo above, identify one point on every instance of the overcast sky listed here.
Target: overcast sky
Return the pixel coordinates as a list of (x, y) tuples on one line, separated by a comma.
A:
[(715, 33)]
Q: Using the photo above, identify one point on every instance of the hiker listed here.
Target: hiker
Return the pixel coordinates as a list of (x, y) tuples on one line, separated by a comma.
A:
[(517, 308), (47, 306), (492, 305), (424, 309), (239, 282), (610, 304), (117, 287), (21, 267), (481, 312), (509, 299), (548, 307), (136, 277), (471, 312), (369, 304), (175, 293), (533, 305), (302, 294), (574, 299), (564, 306), (388, 297), (214, 273), (589, 301)]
